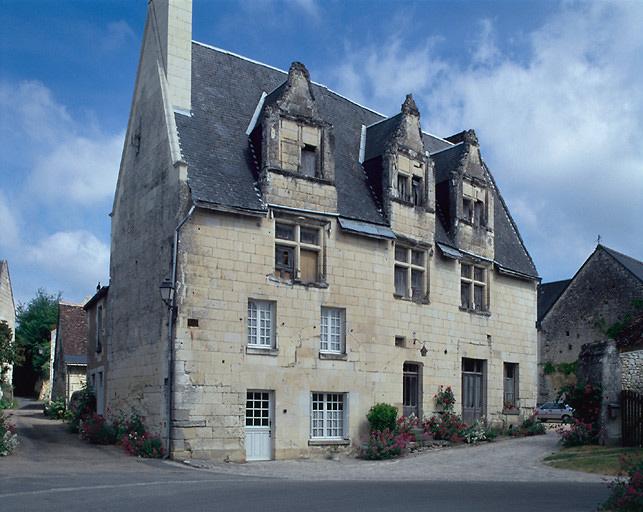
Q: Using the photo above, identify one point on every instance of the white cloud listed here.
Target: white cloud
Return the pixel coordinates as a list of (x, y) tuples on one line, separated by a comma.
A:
[(68, 159), (560, 126), (310, 7), (74, 260), (9, 233)]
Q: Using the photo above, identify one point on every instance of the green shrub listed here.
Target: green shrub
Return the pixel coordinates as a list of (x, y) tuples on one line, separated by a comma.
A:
[(146, 445), (125, 425), (6, 403), (382, 417), (81, 406), (55, 409)]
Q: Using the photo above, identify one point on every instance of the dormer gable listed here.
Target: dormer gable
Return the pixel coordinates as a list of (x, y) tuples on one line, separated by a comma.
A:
[(293, 136), (465, 193), (293, 146), (396, 160)]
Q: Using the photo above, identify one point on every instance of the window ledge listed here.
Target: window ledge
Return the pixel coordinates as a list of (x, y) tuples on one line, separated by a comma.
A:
[(333, 357), (475, 311), (511, 412), (292, 282), (293, 174), (422, 300), (329, 442), (410, 204), (262, 351)]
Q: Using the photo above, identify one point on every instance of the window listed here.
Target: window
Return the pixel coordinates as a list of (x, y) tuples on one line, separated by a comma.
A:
[(473, 287), (299, 148), (474, 211), (403, 187), (333, 330), (327, 416), (417, 193), (410, 273), (99, 329), (298, 252), (257, 409), (510, 400), (261, 324)]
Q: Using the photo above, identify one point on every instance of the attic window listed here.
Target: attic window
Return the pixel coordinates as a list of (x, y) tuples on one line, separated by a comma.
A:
[(473, 211), (417, 195), (403, 187), (299, 148)]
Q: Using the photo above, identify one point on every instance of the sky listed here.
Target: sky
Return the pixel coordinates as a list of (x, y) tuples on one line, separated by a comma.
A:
[(554, 91)]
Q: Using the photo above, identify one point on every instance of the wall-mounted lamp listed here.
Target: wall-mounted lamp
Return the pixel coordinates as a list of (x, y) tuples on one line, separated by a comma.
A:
[(423, 350), (167, 292)]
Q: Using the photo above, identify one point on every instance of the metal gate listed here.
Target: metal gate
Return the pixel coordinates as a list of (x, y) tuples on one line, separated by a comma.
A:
[(632, 418)]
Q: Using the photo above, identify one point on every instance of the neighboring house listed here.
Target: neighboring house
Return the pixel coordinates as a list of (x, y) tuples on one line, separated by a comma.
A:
[(70, 359), (7, 314), (96, 354), (581, 310), (323, 258)]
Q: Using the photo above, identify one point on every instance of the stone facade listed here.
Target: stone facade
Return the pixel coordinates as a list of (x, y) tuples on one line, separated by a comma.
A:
[(97, 364), (632, 370), (253, 284), (7, 314), (601, 293), (70, 352)]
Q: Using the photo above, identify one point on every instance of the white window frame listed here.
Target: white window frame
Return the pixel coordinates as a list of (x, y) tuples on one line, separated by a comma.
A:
[(409, 267), (297, 245), (473, 282), (332, 331), (324, 422), (258, 335)]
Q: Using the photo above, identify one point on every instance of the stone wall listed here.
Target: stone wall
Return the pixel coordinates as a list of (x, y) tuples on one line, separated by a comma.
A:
[(599, 364), (600, 294), (225, 260), (632, 370), (7, 314)]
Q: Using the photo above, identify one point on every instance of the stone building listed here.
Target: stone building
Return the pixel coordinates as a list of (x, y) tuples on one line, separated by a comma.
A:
[(96, 333), (608, 288), (322, 258), (8, 315), (70, 351)]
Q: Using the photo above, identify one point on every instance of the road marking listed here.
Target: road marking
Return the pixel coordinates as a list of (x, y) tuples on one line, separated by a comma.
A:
[(117, 486)]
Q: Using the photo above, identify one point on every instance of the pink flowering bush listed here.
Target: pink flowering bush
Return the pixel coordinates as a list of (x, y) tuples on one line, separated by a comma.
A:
[(8, 435), (445, 399), (579, 433), (385, 444), (97, 430), (143, 445), (627, 494)]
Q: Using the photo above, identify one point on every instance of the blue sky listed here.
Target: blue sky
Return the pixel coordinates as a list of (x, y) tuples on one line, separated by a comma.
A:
[(553, 89)]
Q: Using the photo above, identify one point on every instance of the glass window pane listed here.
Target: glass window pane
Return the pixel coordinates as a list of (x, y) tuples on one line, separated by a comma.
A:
[(417, 283), (465, 270), (401, 281), (309, 236), (478, 297), (417, 258), (401, 254), (479, 274), (465, 295), (285, 231)]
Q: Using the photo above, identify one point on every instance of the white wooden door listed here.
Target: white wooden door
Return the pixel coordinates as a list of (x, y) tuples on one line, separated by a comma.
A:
[(259, 425)]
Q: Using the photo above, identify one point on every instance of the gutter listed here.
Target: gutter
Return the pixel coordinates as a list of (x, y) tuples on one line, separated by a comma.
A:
[(170, 335)]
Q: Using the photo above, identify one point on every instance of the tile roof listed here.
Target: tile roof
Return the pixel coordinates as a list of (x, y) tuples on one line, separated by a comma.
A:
[(633, 265), (226, 89), (72, 329), (548, 293)]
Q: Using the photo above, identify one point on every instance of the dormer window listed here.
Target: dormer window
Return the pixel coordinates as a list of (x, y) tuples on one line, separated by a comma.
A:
[(473, 205), (299, 148), (410, 181)]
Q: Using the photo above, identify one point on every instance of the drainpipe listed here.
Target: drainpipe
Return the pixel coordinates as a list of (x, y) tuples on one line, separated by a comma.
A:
[(170, 335)]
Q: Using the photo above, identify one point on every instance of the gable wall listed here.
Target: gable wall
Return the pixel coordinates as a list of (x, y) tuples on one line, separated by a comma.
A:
[(146, 211), (599, 295), (225, 260), (8, 314)]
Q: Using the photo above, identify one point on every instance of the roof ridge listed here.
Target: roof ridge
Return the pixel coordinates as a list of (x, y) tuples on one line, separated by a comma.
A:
[(556, 282)]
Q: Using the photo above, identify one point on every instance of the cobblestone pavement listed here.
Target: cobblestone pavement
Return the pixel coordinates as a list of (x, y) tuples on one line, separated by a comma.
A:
[(506, 460)]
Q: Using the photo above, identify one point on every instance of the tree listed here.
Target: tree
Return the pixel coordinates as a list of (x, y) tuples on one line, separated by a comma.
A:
[(35, 322), (7, 349)]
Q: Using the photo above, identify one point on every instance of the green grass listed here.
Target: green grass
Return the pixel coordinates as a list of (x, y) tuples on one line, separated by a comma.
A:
[(603, 460)]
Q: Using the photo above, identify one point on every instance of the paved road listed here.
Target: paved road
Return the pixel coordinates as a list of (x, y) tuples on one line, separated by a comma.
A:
[(52, 470)]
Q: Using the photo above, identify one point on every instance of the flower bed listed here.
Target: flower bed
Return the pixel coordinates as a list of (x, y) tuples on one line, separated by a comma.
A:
[(8, 435)]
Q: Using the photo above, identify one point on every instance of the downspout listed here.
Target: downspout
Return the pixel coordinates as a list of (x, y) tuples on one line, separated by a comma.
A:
[(170, 334)]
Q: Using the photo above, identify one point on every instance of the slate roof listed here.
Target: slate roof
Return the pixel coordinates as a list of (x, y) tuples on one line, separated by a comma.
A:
[(548, 293), (633, 265), (379, 134), (72, 329), (226, 89), (446, 160)]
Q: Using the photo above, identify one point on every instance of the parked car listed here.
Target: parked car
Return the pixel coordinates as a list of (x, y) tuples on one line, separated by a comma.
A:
[(554, 411)]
